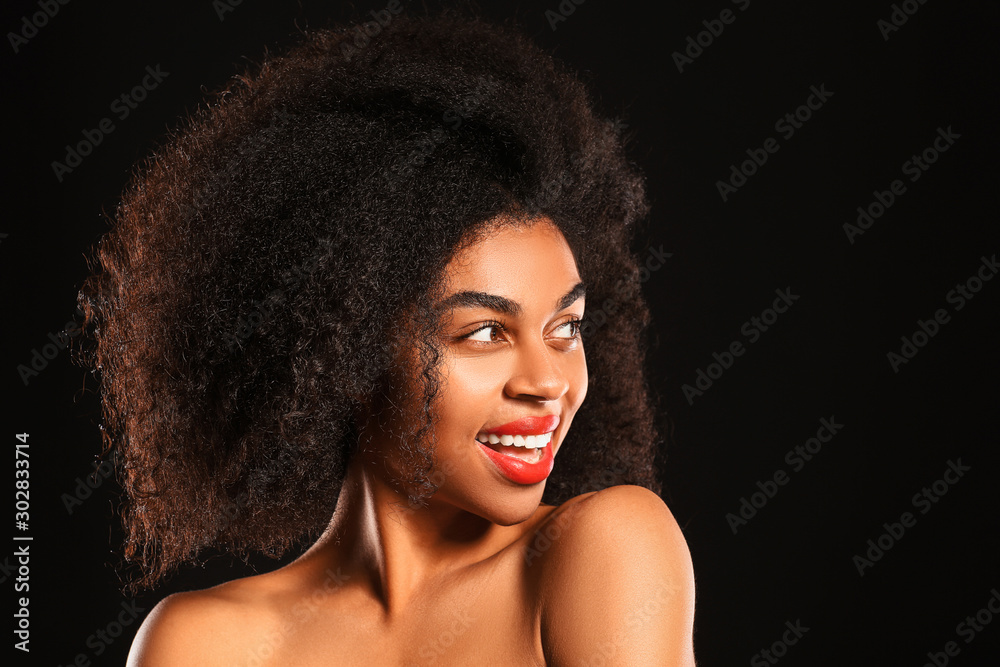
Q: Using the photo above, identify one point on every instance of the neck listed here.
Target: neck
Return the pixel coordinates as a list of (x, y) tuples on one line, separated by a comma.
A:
[(396, 552)]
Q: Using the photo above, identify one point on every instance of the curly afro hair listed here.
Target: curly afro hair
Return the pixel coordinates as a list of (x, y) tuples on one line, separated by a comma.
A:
[(248, 299)]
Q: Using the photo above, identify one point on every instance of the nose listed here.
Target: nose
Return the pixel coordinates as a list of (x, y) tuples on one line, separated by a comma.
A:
[(538, 372)]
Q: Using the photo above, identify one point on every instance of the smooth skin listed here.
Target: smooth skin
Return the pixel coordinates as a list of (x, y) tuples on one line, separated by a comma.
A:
[(485, 574)]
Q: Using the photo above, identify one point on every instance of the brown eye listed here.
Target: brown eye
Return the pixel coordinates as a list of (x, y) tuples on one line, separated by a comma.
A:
[(485, 331), (573, 329)]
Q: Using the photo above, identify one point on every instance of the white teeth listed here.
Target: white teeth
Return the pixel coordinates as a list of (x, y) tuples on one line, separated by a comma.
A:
[(528, 442)]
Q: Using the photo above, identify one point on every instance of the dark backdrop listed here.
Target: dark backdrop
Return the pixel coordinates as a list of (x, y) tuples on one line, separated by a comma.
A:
[(766, 552)]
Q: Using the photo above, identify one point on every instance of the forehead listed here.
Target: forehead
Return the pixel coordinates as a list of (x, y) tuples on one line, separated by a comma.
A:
[(514, 259)]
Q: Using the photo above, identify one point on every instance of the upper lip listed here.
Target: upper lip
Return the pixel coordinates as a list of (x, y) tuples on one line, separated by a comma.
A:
[(526, 426)]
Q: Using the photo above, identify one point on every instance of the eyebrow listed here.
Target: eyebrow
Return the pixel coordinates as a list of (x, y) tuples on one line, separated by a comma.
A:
[(501, 304)]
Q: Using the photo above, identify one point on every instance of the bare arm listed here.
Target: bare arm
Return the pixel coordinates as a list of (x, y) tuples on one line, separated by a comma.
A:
[(183, 629), (618, 586)]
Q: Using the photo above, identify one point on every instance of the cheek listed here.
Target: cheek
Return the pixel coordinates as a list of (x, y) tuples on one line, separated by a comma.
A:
[(477, 377), (579, 381), (467, 392)]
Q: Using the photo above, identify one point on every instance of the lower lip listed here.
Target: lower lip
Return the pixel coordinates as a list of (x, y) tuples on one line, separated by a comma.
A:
[(522, 472)]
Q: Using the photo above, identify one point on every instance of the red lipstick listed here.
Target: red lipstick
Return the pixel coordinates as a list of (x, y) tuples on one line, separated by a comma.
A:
[(522, 472), (513, 468), (527, 426)]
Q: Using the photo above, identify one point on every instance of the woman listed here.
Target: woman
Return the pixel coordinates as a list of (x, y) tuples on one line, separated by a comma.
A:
[(345, 305)]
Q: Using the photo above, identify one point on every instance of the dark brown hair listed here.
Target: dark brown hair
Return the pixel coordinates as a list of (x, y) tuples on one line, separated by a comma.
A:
[(249, 295)]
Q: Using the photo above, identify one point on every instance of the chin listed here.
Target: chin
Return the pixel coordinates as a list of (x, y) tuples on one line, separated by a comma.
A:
[(508, 507)]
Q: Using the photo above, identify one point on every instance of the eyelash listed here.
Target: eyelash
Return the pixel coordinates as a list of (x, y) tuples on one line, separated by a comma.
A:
[(498, 324)]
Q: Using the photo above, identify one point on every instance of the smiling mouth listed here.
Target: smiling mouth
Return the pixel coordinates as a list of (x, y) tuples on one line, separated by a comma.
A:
[(527, 448)]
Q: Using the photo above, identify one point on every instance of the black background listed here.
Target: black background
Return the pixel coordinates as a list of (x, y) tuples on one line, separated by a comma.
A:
[(826, 357)]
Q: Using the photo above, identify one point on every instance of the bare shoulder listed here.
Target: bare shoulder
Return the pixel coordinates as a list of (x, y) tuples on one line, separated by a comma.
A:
[(208, 627), (618, 583)]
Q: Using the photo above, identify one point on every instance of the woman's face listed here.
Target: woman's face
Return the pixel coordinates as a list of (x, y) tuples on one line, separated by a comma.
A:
[(513, 362)]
